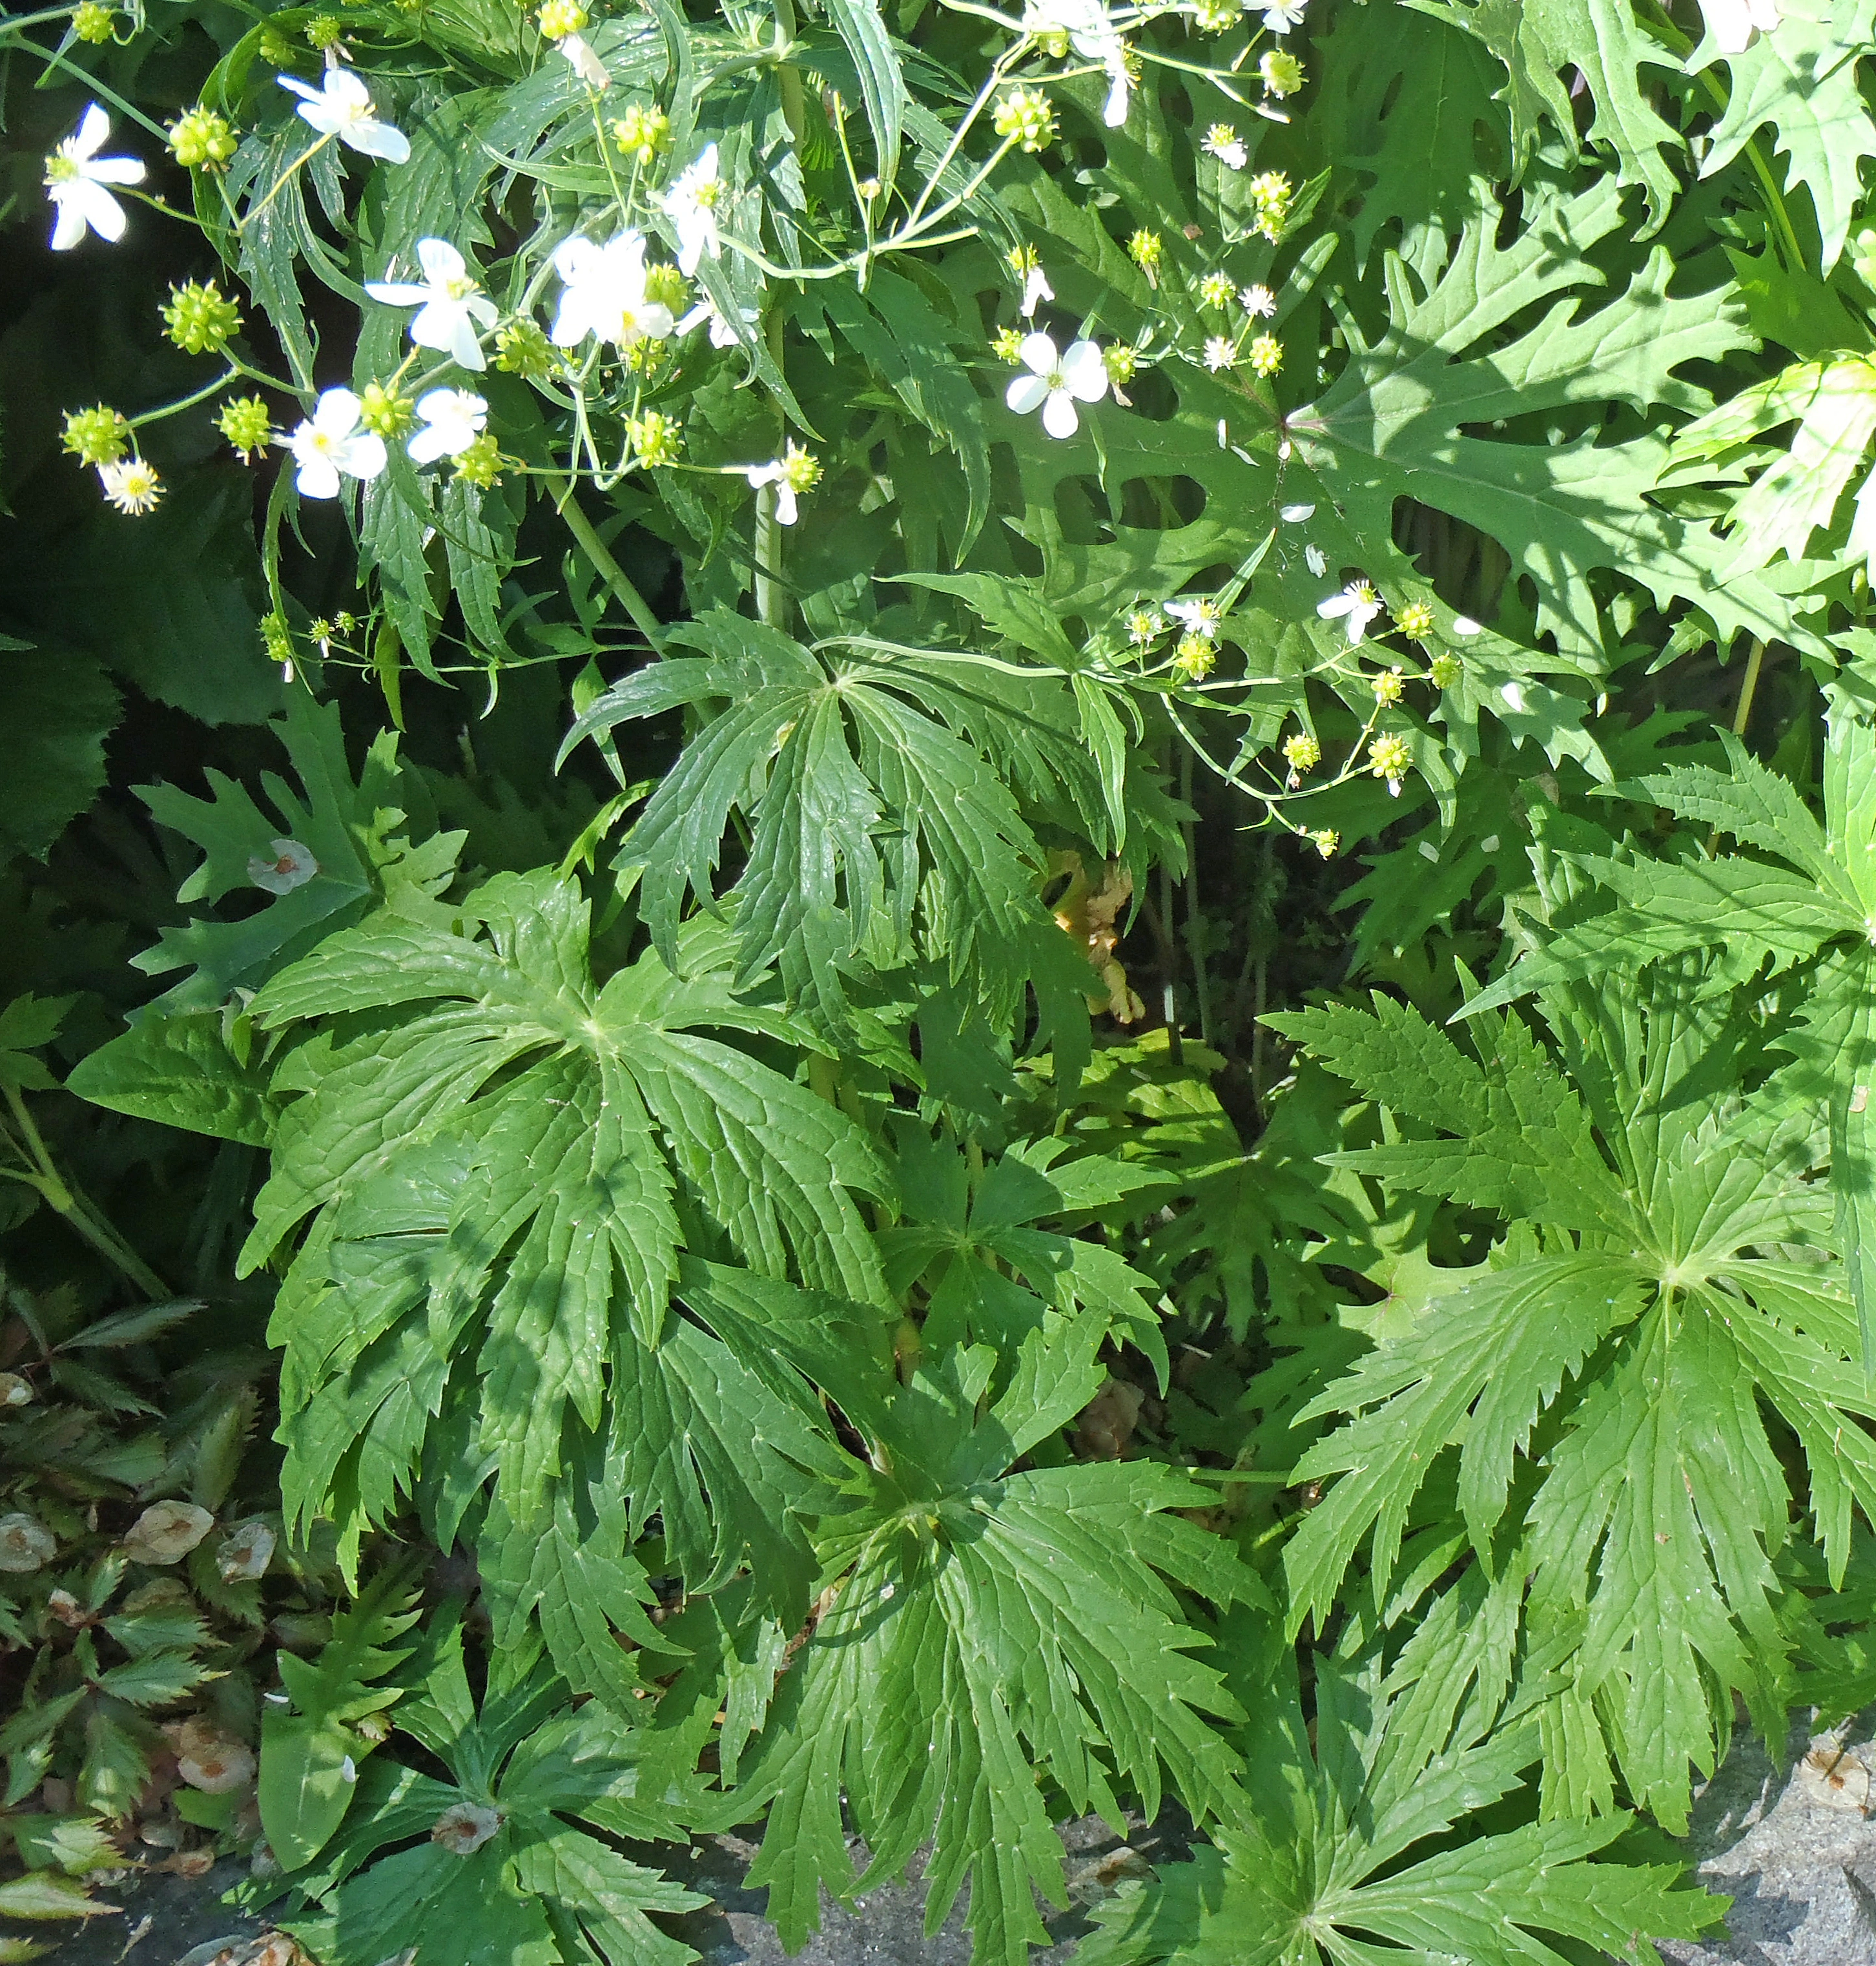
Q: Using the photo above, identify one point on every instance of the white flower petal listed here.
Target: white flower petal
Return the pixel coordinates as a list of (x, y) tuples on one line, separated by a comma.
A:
[(1039, 354), (93, 128), (377, 140), (68, 226), (101, 211), (1060, 418), (318, 478), (1027, 393), (367, 457), (1294, 515), (440, 261), (1084, 374)]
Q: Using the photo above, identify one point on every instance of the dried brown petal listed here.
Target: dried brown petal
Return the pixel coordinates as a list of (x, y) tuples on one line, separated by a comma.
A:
[(466, 1828), (209, 1759), (25, 1544), (167, 1531), (246, 1554)]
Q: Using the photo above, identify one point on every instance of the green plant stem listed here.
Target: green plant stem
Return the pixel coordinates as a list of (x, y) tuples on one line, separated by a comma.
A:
[(1748, 687), (608, 569), (1194, 923), (771, 599), (794, 108), (60, 1196)]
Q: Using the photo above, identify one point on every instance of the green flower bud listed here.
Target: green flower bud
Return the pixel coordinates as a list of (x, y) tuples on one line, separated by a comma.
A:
[(323, 31), (668, 287), (656, 439), (201, 140), (99, 436), (1415, 620), (246, 424), (642, 132), (523, 349), (93, 23), (481, 464), (1027, 116), (1280, 72), (200, 317), (385, 411)]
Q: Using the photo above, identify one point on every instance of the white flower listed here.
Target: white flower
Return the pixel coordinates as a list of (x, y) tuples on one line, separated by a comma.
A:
[(1280, 16), (723, 333), (775, 472), (1258, 301), (1358, 602), (131, 485), (1226, 145), (1202, 618), (330, 442), (605, 293), (586, 65), (1219, 352), (1056, 382), (1294, 515), (342, 107), (76, 178), (691, 205), (450, 303), (1086, 26), (453, 419), (1035, 290), (1734, 23), (1315, 560)]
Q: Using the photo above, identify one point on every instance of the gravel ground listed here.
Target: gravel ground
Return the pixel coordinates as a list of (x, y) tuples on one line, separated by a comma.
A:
[(1795, 1849)]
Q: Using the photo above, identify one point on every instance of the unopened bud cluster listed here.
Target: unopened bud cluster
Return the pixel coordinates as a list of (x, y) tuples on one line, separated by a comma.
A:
[(201, 139), (200, 318)]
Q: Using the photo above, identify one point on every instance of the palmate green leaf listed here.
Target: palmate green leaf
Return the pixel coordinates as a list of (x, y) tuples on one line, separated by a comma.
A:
[(1759, 915), (342, 821), (60, 708), (505, 1179), (990, 1628), (1329, 1857), (1391, 424), (1599, 1391), (991, 1270), (882, 785), (180, 1069), (1832, 403), (1541, 42), (1803, 80), (531, 1786), (309, 1755)]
